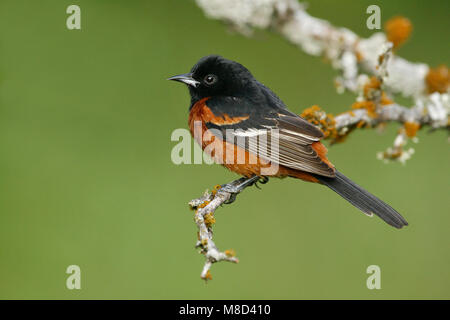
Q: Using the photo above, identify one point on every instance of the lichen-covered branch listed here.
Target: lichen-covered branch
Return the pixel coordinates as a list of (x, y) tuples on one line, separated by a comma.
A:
[(368, 67), (346, 51), (373, 108), (205, 208)]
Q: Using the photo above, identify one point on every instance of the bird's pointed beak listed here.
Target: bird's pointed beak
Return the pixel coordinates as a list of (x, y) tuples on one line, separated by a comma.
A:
[(186, 78)]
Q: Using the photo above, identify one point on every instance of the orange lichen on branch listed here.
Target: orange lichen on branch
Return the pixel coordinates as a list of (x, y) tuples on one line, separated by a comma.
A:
[(385, 99), (230, 253), (374, 84), (371, 91), (209, 220), (368, 105), (215, 189), (204, 204), (208, 276), (320, 118), (398, 29), (438, 79), (311, 114), (392, 155), (411, 129), (360, 124), (380, 60), (359, 56)]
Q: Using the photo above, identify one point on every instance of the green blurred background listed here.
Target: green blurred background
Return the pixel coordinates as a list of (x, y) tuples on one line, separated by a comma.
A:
[(86, 176)]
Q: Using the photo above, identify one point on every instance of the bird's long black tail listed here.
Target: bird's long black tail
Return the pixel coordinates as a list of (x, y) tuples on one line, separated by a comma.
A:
[(363, 200)]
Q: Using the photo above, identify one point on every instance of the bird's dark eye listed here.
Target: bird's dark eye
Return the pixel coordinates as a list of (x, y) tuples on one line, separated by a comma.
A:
[(210, 79)]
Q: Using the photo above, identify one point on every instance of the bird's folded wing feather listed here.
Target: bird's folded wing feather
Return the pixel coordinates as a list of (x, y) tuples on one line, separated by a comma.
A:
[(274, 134)]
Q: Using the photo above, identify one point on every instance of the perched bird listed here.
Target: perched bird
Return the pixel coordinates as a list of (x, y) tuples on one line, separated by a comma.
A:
[(230, 112)]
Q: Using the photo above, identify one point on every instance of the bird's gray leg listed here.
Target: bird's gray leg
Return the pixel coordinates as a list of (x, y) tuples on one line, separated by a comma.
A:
[(238, 185)]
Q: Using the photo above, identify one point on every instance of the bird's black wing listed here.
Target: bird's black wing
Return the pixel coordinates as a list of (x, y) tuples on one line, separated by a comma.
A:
[(271, 132)]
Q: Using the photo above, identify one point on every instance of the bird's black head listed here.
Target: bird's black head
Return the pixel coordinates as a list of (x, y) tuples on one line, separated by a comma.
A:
[(216, 76)]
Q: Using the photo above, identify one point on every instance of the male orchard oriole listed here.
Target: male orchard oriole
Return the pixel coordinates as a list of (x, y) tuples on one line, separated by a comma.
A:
[(230, 108)]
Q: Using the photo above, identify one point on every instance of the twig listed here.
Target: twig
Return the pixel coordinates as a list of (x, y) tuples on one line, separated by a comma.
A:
[(205, 208)]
